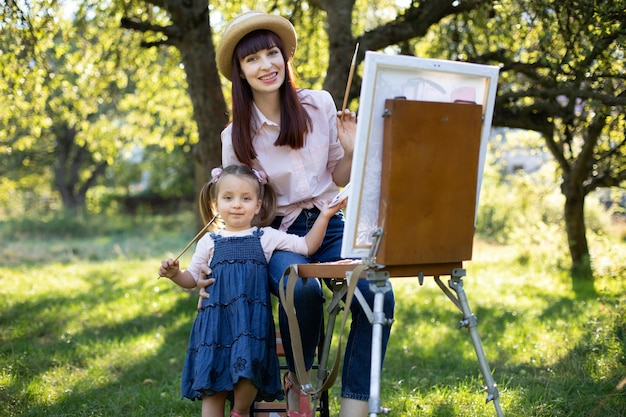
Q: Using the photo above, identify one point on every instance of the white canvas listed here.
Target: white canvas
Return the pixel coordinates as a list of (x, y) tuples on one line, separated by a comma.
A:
[(393, 76)]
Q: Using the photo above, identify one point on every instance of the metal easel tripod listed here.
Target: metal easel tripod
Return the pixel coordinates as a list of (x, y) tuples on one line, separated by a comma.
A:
[(379, 284)]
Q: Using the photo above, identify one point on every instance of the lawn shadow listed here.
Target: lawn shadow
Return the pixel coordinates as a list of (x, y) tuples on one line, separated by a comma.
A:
[(444, 410), (584, 288), (149, 387), (573, 374), (445, 359)]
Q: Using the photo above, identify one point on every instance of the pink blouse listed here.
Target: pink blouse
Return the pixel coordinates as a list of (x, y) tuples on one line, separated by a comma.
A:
[(302, 177)]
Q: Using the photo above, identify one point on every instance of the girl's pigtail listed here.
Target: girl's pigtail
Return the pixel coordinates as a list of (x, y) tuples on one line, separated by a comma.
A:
[(268, 205), (206, 202)]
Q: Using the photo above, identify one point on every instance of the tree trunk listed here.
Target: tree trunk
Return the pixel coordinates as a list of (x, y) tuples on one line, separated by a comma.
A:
[(341, 49), (71, 159), (210, 111), (204, 86), (574, 214)]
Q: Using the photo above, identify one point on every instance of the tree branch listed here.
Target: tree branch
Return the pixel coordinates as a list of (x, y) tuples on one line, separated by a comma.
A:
[(172, 31), (549, 93), (415, 22)]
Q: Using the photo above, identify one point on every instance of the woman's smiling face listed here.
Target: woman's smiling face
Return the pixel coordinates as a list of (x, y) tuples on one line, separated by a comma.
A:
[(264, 70)]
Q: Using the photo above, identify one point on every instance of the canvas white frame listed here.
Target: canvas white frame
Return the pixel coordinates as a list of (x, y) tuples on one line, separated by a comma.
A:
[(392, 76)]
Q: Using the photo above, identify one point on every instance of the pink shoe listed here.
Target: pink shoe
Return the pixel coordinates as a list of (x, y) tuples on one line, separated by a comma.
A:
[(305, 403)]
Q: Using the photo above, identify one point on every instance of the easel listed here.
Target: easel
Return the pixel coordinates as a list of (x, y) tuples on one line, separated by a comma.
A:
[(427, 211)]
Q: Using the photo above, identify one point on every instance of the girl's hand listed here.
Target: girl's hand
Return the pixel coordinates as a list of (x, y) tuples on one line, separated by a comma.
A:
[(346, 129), (331, 211), (169, 268)]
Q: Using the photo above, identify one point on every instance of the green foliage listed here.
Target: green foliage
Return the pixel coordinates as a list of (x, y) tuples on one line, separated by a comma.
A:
[(562, 76), (526, 210), (77, 79), (81, 97), (151, 169), (518, 207)]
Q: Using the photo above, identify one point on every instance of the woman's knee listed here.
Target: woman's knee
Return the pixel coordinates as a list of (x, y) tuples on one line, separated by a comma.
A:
[(278, 265), (308, 291)]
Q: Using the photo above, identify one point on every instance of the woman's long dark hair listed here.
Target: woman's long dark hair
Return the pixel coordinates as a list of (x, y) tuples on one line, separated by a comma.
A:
[(295, 122)]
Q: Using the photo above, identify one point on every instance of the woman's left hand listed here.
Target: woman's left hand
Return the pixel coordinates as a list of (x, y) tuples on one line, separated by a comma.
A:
[(203, 284)]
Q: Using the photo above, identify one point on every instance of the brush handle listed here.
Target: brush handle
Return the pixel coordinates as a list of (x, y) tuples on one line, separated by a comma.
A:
[(349, 83), (195, 238)]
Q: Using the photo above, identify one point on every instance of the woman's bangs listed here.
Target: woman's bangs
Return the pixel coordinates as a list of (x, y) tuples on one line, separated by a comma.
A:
[(256, 41)]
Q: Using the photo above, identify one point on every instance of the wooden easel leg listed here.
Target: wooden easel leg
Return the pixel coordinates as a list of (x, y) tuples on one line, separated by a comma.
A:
[(471, 322)]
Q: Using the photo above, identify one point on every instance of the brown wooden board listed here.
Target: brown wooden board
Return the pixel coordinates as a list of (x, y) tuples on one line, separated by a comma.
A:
[(339, 269), (429, 181)]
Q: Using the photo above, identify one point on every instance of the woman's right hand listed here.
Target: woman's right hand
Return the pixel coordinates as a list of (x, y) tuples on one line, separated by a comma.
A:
[(346, 129)]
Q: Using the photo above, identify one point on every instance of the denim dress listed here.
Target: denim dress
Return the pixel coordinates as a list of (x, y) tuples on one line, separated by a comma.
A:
[(233, 335)]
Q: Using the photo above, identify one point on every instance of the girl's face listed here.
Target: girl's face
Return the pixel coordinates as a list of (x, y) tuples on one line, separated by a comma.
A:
[(264, 70), (237, 201)]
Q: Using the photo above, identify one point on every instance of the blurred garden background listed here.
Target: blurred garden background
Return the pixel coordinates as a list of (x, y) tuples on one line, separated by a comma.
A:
[(110, 123)]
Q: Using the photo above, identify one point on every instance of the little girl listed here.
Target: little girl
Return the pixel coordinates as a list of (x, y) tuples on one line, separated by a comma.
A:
[(232, 343)]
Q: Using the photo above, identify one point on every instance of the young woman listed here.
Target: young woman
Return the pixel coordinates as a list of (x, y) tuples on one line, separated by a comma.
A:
[(232, 348), (305, 146)]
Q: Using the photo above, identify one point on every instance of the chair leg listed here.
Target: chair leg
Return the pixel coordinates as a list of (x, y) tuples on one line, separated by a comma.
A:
[(263, 409)]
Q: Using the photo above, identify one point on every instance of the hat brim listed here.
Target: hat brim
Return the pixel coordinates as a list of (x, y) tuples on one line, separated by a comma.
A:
[(249, 22)]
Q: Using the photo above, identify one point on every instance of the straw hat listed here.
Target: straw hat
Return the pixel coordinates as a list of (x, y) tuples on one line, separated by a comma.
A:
[(249, 22)]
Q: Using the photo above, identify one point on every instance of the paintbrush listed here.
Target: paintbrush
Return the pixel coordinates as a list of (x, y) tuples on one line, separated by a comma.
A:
[(195, 238), (347, 93)]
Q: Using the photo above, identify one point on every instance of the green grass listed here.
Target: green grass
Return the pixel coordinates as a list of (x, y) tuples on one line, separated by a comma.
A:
[(552, 352), (86, 329)]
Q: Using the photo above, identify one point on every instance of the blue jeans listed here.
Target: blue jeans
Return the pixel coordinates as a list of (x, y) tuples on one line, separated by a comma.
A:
[(309, 300)]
